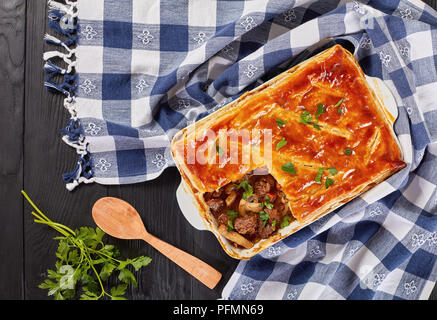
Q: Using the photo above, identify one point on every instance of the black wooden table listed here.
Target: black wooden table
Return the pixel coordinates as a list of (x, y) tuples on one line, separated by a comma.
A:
[(32, 157)]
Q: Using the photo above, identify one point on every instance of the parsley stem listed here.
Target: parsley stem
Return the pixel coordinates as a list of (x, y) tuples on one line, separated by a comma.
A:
[(87, 256), (60, 230), (42, 217), (58, 227), (103, 254), (34, 206), (71, 232)]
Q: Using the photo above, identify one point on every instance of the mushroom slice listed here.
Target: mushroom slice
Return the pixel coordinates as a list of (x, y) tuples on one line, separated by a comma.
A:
[(245, 206), (231, 198), (235, 237), (229, 188)]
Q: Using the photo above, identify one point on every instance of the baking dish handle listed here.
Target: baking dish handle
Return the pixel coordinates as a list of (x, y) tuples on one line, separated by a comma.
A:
[(188, 208)]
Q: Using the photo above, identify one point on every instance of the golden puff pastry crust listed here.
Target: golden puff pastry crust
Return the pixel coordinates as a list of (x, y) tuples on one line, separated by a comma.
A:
[(323, 118)]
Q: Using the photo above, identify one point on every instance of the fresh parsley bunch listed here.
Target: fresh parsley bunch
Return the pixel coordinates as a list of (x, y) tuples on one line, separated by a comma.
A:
[(85, 262)]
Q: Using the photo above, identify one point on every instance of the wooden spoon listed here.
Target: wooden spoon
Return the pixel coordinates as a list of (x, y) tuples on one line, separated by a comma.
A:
[(120, 220)]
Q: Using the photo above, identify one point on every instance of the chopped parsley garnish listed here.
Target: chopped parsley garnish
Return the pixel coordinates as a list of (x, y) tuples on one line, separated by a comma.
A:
[(320, 109), (339, 110), (328, 182), (339, 103), (230, 225), (333, 171), (281, 144), (267, 203), (248, 190), (318, 178), (289, 168), (285, 221), (273, 223), (232, 214), (348, 151), (219, 150), (264, 216), (306, 118), (280, 123)]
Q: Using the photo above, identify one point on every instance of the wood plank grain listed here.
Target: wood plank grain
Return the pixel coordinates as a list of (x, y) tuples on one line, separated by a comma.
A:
[(46, 157), (12, 49), (156, 203), (207, 247)]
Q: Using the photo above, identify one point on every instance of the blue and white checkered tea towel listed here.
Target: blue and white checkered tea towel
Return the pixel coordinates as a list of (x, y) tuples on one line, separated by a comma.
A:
[(145, 69)]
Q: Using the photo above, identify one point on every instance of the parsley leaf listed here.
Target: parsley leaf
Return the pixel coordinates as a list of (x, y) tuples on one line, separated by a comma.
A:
[(264, 216), (348, 151), (232, 214), (328, 182), (106, 271), (267, 203), (248, 190), (85, 262), (285, 222), (127, 277), (140, 262), (274, 224), (87, 295), (318, 178), (320, 109), (289, 168), (281, 123), (339, 110), (305, 118), (333, 171), (230, 225), (118, 291), (281, 144)]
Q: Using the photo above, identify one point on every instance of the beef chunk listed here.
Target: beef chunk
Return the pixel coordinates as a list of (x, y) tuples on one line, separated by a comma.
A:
[(216, 205), (217, 193), (223, 219), (274, 214), (266, 194), (246, 225), (264, 185), (264, 231)]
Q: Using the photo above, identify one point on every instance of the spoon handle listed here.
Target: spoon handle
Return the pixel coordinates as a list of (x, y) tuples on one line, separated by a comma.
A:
[(194, 266)]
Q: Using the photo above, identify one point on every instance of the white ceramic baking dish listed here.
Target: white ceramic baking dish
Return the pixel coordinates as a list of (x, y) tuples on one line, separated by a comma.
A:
[(187, 205)]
